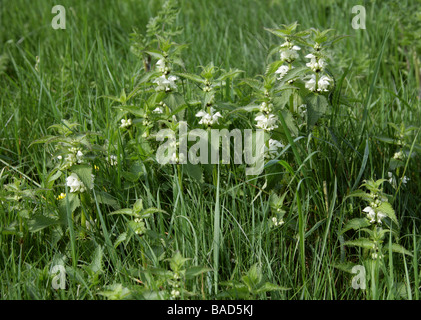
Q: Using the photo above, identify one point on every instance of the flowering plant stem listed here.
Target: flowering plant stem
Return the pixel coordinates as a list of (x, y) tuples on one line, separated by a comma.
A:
[(300, 212), (180, 179)]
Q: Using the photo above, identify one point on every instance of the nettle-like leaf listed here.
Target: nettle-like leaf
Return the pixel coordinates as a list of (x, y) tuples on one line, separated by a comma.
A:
[(387, 209), (84, 172), (195, 271), (177, 262), (355, 224), (317, 105), (362, 243), (373, 186), (399, 249)]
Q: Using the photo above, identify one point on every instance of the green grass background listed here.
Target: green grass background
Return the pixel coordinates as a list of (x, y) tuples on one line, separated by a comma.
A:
[(92, 58)]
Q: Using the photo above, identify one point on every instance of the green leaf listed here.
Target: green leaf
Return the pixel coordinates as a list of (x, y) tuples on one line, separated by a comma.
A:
[(361, 242), (290, 122), (239, 292), (253, 277), (195, 271), (115, 292), (387, 209), (149, 211), (177, 261), (138, 206), (174, 100), (194, 171), (267, 286), (40, 222), (356, 224), (74, 203), (121, 238), (316, 108), (345, 266), (105, 198), (399, 249), (192, 77), (84, 172), (127, 211), (96, 265)]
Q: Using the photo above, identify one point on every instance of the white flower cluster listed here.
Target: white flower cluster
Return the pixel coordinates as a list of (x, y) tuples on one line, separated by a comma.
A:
[(277, 222), (177, 158), (398, 155), (112, 159), (265, 119), (139, 226), (162, 66), (74, 157), (322, 85), (158, 110), (316, 64), (282, 71), (393, 182), (373, 216), (289, 52), (126, 123), (209, 118), (272, 149), (266, 107), (75, 184), (165, 84), (266, 122), (373, 212)]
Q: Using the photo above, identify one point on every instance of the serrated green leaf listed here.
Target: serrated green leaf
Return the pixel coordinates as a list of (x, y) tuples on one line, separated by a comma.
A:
[(399, 249), (267, 287), (84, 172), (387, 209), (195, 271), (40, 222), (361, 242), (356, 224)]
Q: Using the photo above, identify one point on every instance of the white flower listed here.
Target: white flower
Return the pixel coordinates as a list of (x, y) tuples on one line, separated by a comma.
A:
[(302, 109), (290, 45), (398, 155), (113, 160), (272, 149), (289, 55), (266, 108), (323, 83), (59, 157), (158, 110), (160, 65), (177, 159), (79, 156), (371, 214), (208, 118), (311, 84), (282, 71), (266, 122), (277, 222), (405, 179), (125, 123), (175, 293), (380, 216), (316, 64), (74, 183), (392, 179), (164, 84)]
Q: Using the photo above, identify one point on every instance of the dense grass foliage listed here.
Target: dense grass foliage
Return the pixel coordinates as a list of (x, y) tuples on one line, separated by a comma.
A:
[(171, 232)]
